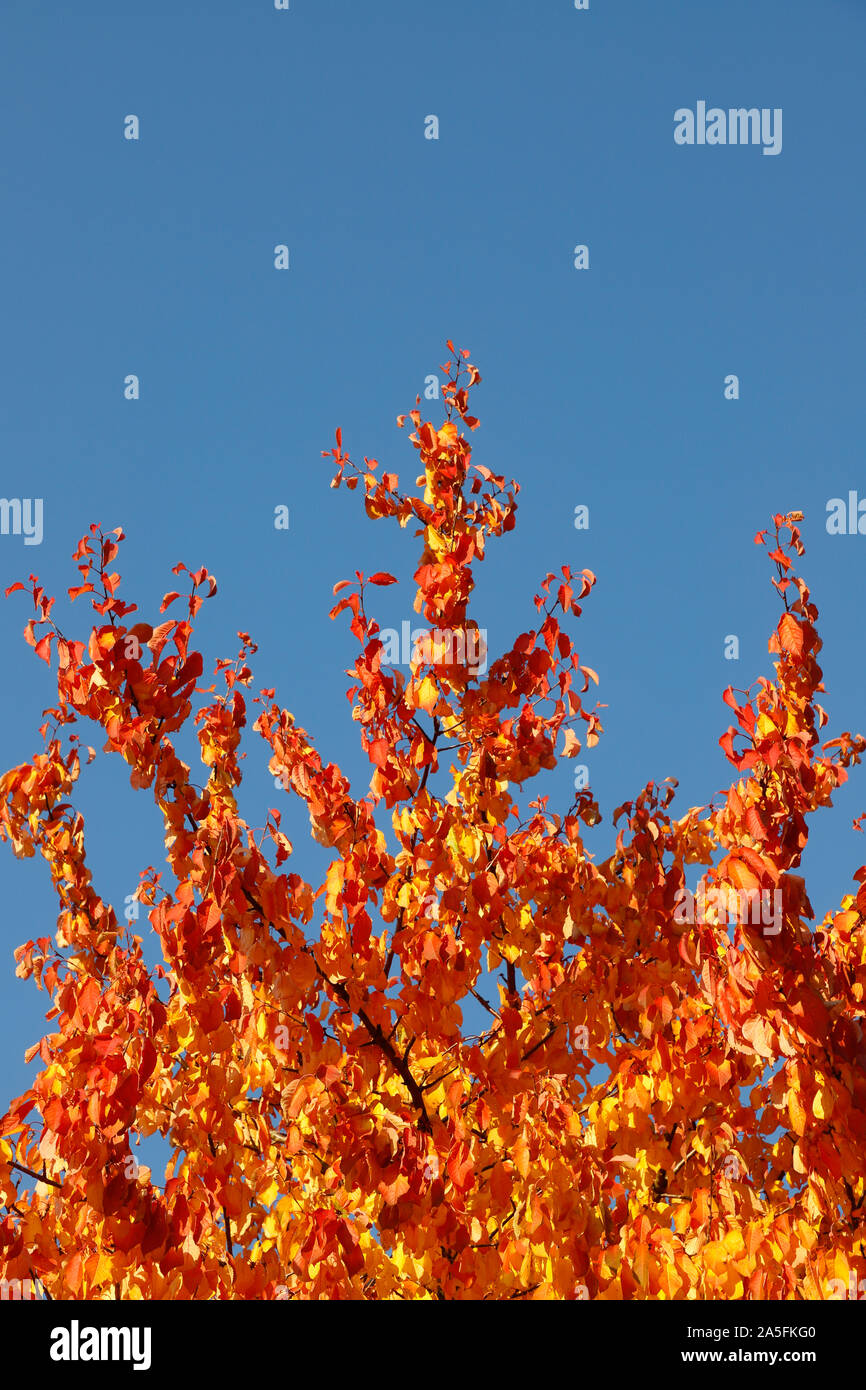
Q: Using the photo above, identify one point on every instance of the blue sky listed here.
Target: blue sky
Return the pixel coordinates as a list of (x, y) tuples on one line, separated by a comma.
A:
[(603, 387)]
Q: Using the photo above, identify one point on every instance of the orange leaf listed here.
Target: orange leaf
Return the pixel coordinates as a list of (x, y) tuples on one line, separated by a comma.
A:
[(572, 744), (791, 635), (796, 1112)]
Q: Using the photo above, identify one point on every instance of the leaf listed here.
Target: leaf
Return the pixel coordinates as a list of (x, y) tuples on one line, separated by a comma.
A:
[(572, 744), (427, 694), (520, 1156), (796, 1112), (381, 578), (739, 874), (757, 1032), (640, 1264), (74, 1272), (379, 751), (822, 1104), (756, 824), (791, 635)]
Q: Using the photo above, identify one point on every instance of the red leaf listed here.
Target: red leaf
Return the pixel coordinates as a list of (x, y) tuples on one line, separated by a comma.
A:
[(379, 751)]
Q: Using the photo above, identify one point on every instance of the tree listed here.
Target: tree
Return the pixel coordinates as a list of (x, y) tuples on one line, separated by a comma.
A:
[(664, 1102)]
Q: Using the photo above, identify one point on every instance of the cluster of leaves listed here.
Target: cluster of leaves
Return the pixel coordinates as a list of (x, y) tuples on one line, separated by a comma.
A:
[(654, 1110)]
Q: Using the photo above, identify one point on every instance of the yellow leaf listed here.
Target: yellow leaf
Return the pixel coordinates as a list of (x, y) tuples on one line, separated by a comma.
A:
[(426, 695), (334, 883), (822, 1105), (269, 1193)]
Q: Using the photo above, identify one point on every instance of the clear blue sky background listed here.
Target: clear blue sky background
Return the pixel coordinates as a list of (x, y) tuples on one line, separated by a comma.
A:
[(602, 387)]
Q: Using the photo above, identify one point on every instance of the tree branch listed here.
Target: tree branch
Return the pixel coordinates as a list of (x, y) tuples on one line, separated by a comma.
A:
[(40, 1177)]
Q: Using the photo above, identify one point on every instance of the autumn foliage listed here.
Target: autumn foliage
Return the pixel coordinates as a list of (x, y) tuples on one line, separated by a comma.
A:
[(652, 1109)]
